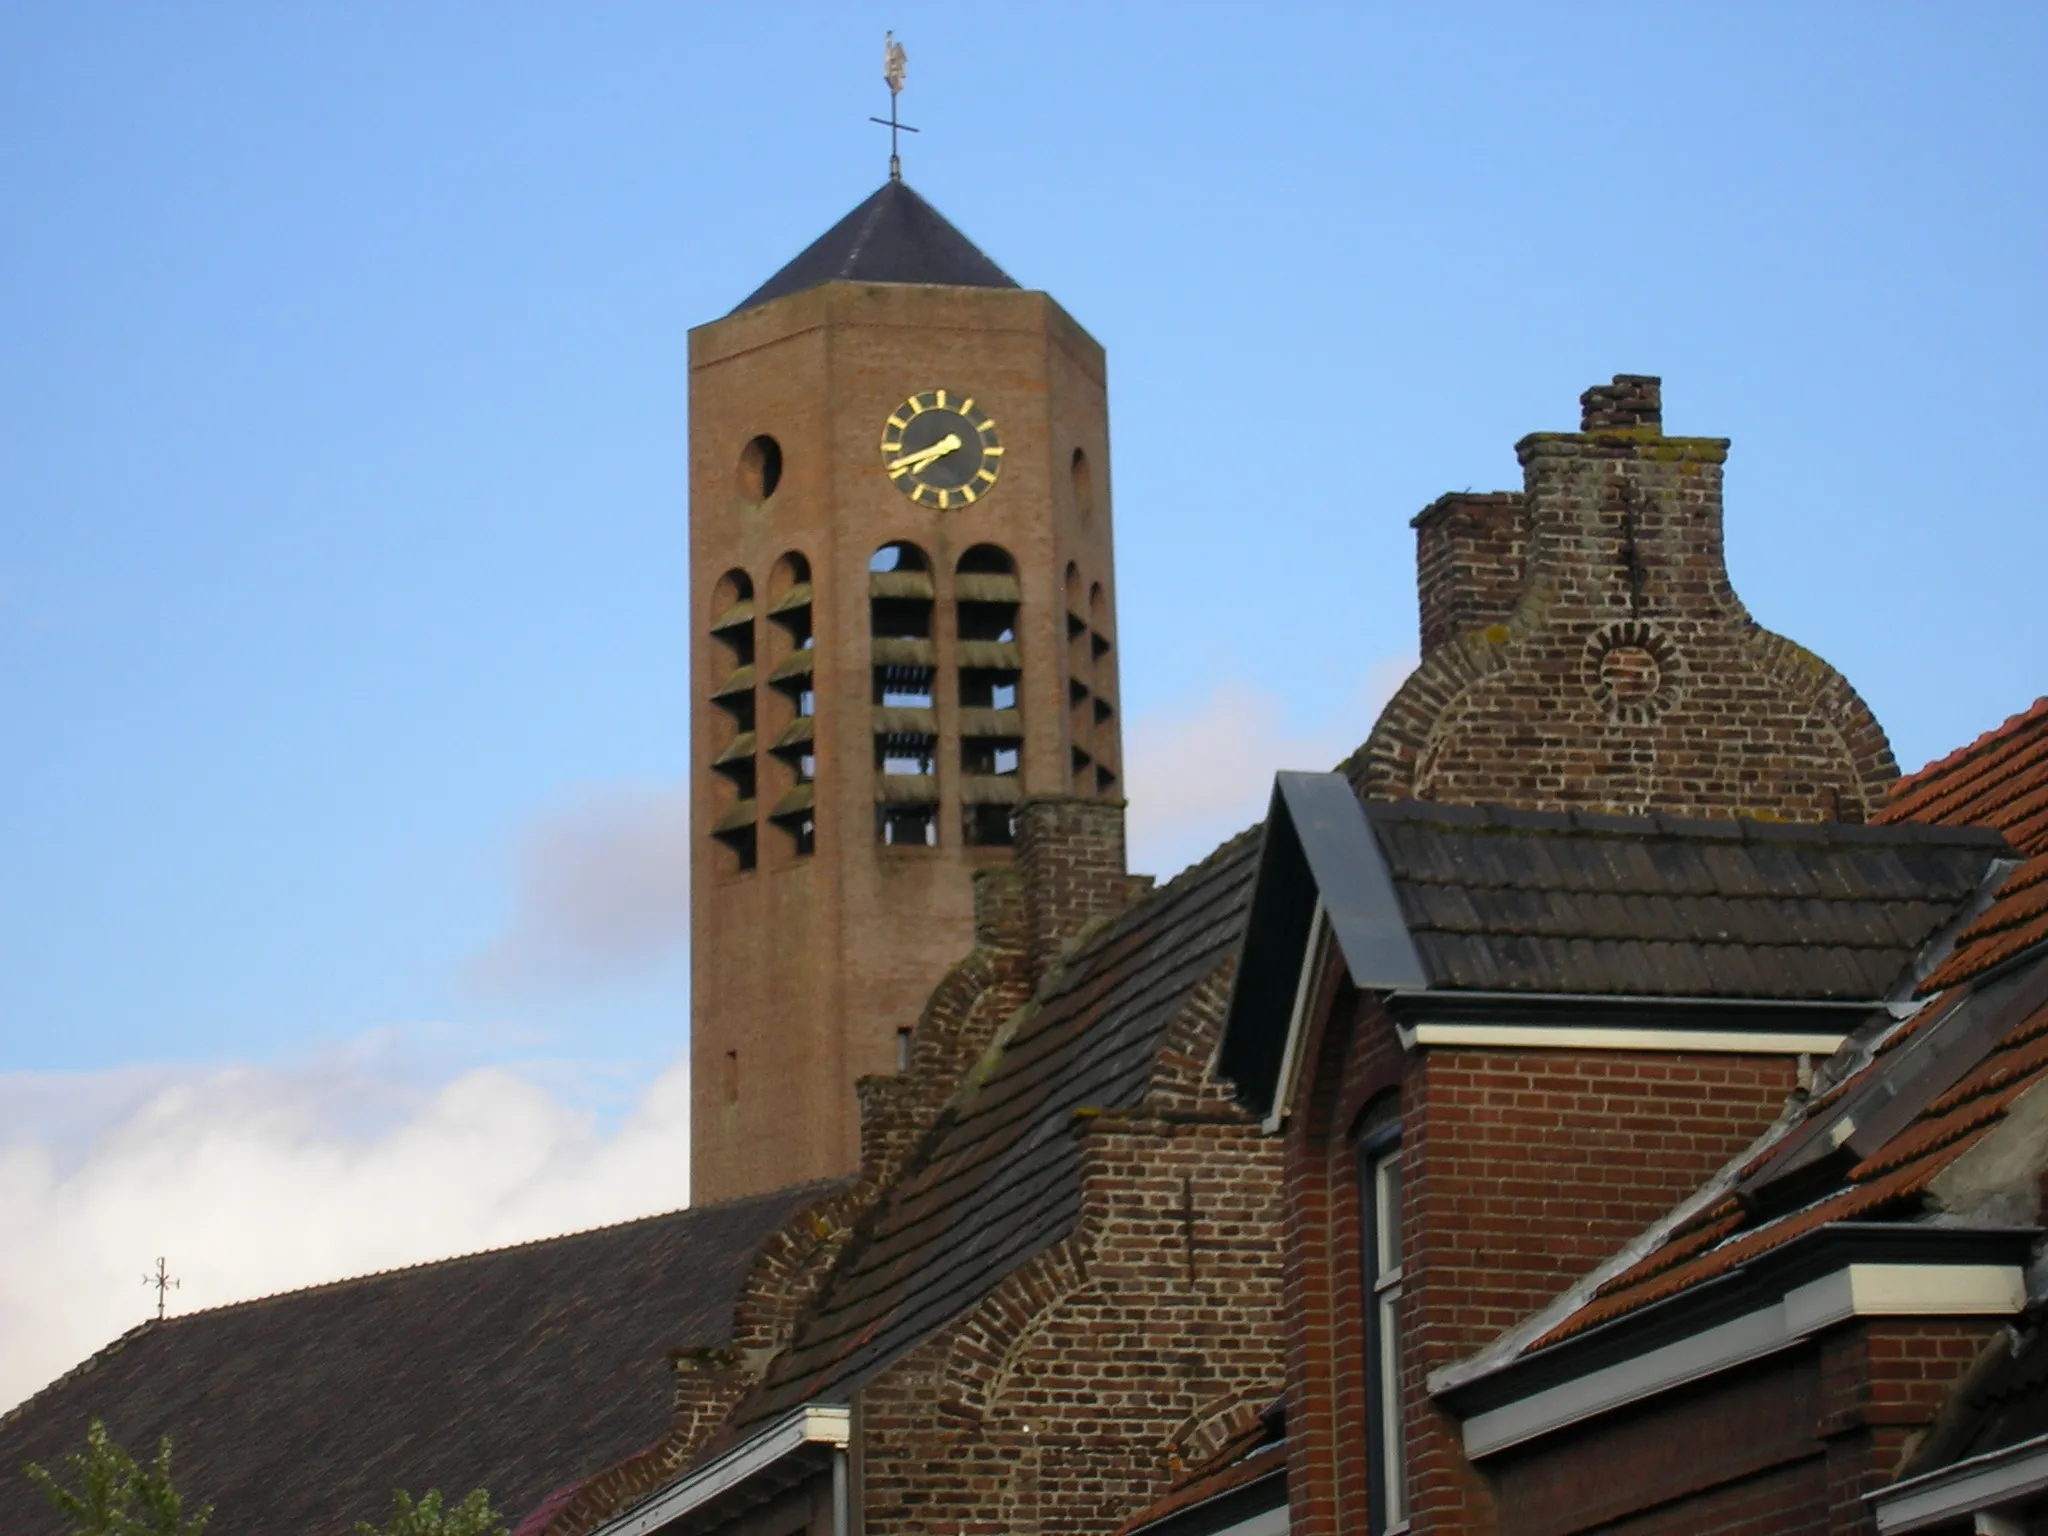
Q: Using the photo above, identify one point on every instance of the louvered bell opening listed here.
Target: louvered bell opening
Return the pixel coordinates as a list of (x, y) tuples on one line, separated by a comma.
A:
[(907, 826), (900, 686), (736, 764), (991, 756), (988, 688), (736, 830), (797, 752), (795, 818), (988, 825)]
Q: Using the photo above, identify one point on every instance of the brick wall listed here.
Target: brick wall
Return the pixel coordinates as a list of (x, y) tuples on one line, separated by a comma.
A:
[(1135, 1346), (1469, 556), (1523, 1171), (1622, 673), (1070, 854)]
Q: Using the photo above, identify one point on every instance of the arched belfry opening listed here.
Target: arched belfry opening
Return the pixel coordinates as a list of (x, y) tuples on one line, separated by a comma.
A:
[(901, 600), (987, 600), (733, 696), (793, 702)]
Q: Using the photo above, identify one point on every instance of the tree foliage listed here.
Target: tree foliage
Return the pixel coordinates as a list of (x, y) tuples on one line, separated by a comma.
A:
[(472, 1517), (114, 1496)]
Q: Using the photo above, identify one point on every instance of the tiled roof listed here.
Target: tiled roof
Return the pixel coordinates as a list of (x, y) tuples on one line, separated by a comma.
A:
[(1951, 1093), (1999, 780), (1666, 906), (1252, 1457), (1000, 1179), (507, 1370), (893, 237)]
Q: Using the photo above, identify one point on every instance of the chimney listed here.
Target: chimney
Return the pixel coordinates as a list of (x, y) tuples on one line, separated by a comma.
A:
[(1582, 647), (1469, 552), (1634, 402), (1625, 522), (1070, 853)]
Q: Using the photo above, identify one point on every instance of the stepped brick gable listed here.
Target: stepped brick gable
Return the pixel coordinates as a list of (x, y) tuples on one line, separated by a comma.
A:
[(1061, 1280), (1582, 646)]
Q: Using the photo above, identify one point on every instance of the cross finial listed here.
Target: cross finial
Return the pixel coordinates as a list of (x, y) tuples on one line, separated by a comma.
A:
[(163, 1282), (893, 59)]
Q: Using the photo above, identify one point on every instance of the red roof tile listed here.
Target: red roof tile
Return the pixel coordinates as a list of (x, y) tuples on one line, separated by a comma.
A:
[(1244, 1461)]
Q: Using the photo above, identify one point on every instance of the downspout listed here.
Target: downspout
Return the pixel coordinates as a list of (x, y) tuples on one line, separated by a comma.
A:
[(842, 1502)]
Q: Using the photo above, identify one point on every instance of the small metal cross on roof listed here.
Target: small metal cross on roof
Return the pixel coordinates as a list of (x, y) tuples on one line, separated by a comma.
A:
[(892, 72), (163, 1282)]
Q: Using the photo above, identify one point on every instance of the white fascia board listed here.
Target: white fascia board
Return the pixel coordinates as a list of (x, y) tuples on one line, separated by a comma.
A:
[(1970, 1487), (808, 1425), (1298, 1021), (1593, 1037), (1855, 1290)]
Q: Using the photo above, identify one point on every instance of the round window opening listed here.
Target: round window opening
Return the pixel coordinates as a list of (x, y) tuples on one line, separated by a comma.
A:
[(760, 469)]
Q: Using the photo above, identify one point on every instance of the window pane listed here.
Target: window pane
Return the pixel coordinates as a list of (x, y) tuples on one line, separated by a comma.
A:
[(1387, 1209), (1393, 1449)]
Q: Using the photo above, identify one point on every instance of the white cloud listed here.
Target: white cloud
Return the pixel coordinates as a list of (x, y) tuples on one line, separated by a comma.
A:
[(603, 893), (252, 1180), (1202, 770)]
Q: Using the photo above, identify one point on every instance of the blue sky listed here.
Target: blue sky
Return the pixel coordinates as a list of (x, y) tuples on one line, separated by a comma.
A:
[(342, 446)]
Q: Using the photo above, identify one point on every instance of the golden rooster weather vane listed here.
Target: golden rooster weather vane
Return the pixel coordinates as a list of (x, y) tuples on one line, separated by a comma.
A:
[(893, 59)]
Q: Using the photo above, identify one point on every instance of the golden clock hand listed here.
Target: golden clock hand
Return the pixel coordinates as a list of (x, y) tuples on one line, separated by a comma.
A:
[(924, 456)]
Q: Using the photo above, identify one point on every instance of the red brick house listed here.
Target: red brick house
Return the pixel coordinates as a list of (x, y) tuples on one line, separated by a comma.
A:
[(1654, 1175)]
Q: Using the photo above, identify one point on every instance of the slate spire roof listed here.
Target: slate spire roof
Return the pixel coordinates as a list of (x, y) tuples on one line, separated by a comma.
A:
[(893, 237)]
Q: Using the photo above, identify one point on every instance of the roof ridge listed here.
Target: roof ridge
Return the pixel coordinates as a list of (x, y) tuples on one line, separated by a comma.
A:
[(90, 1362), (447, 1261), (1993, 791), (1496, 818), (1911, 783)]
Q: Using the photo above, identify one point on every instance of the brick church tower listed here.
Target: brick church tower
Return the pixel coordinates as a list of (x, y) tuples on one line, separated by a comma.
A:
[(903, 624)]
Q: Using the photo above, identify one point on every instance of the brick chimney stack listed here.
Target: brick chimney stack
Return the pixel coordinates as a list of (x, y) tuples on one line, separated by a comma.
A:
[(1070, 855), (1634, 401), (1469, 551)]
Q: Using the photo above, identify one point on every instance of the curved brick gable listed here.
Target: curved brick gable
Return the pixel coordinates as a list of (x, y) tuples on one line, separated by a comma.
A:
[(1583, 647)]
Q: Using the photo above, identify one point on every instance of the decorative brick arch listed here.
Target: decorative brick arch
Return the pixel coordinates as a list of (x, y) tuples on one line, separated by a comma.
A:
[(1216, 1423), (988, 1344)]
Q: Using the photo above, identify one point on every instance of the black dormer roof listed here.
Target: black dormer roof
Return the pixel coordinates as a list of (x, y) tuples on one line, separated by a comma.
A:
[(893, 237)]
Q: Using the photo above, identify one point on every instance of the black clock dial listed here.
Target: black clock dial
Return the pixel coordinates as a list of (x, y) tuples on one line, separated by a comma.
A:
[(941, 449)]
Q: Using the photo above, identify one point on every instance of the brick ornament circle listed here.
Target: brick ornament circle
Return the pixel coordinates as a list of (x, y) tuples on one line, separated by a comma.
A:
[(1633, 672)]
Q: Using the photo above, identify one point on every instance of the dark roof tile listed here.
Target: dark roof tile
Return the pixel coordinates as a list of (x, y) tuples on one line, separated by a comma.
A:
[(895, 236), (506, 1370), (1666, 906)]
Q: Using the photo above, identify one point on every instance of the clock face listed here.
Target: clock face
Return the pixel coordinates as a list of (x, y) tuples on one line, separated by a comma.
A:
[(941, 450)]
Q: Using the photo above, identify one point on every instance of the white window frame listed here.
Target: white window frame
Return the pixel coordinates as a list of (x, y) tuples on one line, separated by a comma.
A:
[(1388, 1490)]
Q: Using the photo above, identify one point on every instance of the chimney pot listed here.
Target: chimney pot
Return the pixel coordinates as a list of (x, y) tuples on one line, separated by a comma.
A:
[(1633, 401)]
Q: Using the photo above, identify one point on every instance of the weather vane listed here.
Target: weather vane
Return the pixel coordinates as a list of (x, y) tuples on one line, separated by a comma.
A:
[(892, 72), (163, 1282)]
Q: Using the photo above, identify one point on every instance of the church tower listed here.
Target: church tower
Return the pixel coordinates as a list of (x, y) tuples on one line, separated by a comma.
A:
[(903, 624)]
